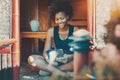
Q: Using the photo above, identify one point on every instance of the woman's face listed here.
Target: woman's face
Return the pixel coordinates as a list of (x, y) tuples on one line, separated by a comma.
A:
[(61, 19), (117, 31)]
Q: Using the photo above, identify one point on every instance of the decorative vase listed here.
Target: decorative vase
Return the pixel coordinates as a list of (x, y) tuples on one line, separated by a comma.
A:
[(34, 24)]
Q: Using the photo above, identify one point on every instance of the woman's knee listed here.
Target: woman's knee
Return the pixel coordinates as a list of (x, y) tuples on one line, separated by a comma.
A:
[(33, 58)]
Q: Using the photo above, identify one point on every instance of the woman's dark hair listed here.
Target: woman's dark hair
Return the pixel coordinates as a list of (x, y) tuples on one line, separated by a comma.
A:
[(61, 6)]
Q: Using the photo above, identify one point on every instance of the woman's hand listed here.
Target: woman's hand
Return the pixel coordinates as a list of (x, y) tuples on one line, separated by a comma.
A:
[(65, 58), (69, 56), (62, 59)]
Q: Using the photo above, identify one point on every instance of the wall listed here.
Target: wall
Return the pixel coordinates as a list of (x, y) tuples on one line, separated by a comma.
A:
[(43, 13), (39, 9), (28, 11), (80, 13), (79, 17)]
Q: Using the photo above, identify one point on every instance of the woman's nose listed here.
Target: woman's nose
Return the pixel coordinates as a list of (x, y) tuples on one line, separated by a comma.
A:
[(60, 21)]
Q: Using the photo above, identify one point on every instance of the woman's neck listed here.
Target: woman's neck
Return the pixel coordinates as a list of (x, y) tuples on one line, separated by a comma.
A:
[(64, 28)]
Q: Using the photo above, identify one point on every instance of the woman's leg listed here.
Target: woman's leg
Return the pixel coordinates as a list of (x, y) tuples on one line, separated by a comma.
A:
[(39, 62), (67, 67), (80, 60)]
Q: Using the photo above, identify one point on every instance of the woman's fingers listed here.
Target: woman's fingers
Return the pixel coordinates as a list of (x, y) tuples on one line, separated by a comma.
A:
[(62, 59)]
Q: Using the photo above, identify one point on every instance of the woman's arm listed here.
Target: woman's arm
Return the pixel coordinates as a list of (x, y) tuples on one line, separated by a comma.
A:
[(48, 42)]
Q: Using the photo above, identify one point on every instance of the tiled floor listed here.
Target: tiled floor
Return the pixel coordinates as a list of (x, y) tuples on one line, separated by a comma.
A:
[(28, 73), (31, 77)]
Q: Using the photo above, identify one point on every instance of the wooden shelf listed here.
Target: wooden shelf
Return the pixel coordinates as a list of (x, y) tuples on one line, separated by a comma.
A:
[(34, 35)]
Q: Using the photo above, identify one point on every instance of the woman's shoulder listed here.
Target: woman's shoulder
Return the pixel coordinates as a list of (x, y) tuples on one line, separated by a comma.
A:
[(50, 31)]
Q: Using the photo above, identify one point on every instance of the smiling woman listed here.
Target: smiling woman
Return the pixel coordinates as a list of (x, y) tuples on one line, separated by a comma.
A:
[(60, 12)]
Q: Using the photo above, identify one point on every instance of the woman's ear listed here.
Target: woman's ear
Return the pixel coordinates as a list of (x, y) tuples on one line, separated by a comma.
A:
[(67, 17)]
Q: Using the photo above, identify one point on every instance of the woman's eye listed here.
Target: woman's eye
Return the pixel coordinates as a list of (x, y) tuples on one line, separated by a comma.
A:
[(56, 19), (61, 18)]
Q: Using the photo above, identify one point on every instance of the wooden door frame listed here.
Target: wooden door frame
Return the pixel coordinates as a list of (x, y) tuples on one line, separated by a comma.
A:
[(91, 17), (16, 35)]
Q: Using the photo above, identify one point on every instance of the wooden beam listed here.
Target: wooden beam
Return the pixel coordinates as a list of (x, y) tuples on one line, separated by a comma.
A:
[(7, 42), (78, 23), (5, 45), (33, 35)]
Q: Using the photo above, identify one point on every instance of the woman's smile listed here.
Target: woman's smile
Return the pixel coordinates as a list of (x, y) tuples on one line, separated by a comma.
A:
[(61, 19)]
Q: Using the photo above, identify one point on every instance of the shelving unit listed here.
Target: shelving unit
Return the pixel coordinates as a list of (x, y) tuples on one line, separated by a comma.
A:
[(40, 35)]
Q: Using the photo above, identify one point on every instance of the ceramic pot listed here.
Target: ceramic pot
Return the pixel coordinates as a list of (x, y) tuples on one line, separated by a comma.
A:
[(34, 24)]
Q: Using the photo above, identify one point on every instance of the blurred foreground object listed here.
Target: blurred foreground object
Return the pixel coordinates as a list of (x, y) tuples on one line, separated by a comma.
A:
[(107, 59), (80, 46)]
